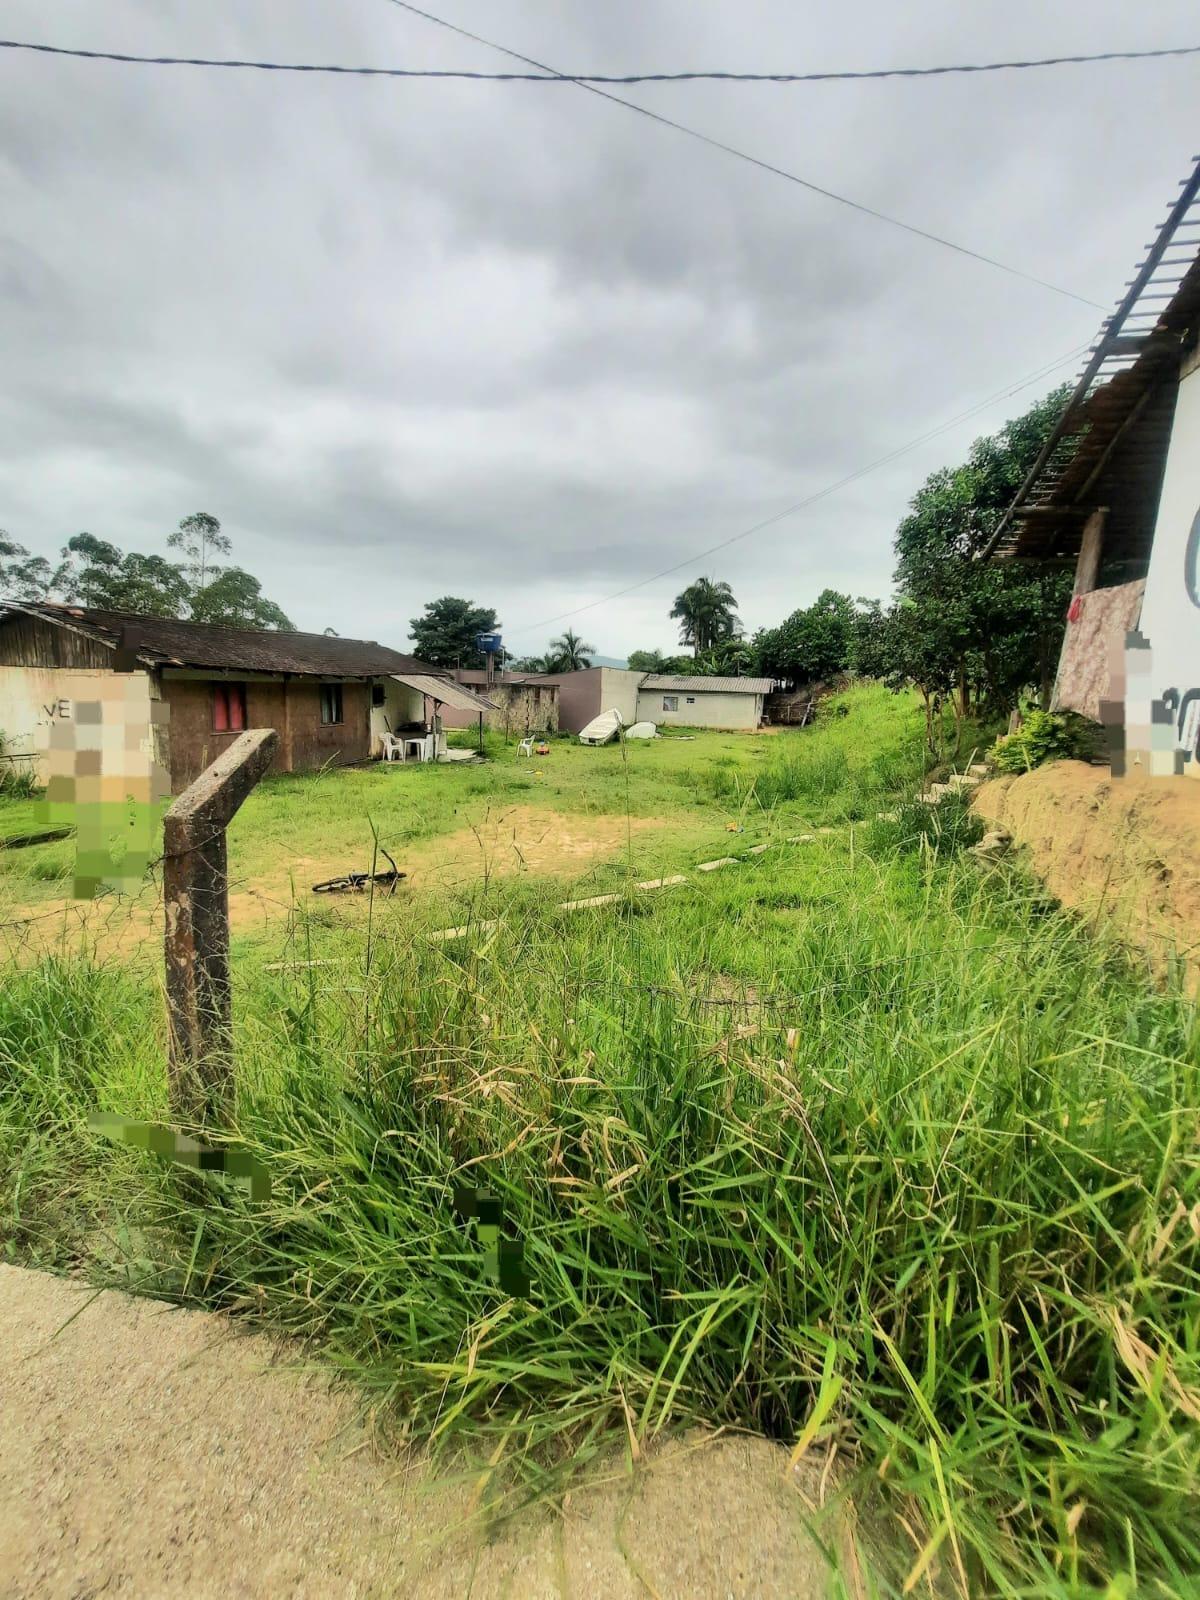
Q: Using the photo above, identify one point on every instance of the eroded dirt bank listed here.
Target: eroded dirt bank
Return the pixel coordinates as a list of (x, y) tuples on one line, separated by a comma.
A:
[(1127, 849), (147, 1450)]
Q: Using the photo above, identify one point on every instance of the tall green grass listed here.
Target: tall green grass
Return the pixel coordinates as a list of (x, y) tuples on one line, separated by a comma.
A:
[(867, 745), (855, 1138)]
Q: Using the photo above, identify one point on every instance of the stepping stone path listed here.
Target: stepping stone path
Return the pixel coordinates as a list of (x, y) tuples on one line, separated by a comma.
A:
[(444, 934), (993, 844), (954, 784), (461, 933)]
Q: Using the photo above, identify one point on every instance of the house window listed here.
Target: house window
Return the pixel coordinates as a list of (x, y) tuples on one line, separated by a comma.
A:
[(670, 702), (378, 694), (228, 707), (691, 699), (331, 702)]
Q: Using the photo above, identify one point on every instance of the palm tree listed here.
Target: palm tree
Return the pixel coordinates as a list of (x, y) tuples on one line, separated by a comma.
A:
[(708, 614), (569, 653)]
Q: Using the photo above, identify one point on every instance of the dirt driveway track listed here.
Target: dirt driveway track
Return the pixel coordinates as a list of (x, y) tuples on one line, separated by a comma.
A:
[(147, 1450)]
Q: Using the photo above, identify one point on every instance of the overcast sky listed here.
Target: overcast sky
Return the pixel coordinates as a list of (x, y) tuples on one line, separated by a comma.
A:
[(514, 343)]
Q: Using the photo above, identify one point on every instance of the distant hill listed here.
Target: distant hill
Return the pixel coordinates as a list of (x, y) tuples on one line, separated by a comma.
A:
[(608, 661)]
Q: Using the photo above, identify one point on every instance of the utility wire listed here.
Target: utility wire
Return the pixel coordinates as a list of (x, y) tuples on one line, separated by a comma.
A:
[(590, 82), (743, 155), (549, 76), (821, 494)]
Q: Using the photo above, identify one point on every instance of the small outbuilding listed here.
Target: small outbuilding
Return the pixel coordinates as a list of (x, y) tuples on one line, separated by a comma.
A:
[(513, 702), (662, 698)]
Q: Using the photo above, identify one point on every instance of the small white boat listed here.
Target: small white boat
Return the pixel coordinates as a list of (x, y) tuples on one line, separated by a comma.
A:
[(602, 728), (642, 730)]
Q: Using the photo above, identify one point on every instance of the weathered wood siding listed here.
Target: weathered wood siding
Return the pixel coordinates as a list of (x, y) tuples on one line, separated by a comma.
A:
[(30, 642), (292, 708), (314, 743), (194, 744)]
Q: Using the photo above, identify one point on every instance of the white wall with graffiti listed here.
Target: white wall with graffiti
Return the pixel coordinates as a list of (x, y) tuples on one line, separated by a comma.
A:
[(1163, 667)]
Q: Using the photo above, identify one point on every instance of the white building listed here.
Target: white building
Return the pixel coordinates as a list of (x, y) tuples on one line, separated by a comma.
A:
[(661, 698), (1117, 491)]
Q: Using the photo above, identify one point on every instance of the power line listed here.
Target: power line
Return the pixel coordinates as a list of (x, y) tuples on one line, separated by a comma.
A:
[(743, 155), (549, 76), (821, 494)]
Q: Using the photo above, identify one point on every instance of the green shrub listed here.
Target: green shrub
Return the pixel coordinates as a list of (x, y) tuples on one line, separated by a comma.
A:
[(1045, 736), (946, 828), (15, 783)]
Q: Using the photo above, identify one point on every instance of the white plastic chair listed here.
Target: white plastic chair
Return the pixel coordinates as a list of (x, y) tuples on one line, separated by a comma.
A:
[(525, 748), (393, 748)]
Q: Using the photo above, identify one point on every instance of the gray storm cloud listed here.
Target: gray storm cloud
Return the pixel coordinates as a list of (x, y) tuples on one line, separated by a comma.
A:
[(515, 342)]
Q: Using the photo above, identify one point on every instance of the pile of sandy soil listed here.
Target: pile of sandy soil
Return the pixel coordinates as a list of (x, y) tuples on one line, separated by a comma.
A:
[(147, 1450), (1127, 849)]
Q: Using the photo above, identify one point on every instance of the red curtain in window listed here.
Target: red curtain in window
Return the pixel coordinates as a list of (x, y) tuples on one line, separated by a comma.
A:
[(229, 707)]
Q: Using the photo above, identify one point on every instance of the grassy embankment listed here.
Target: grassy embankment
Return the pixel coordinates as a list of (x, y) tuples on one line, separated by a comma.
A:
[(852, 1141)]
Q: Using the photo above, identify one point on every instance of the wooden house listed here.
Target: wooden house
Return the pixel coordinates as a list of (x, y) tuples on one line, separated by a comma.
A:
[(331, 700)]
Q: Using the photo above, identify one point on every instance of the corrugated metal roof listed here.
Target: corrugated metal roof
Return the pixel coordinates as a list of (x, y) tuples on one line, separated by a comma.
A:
[(167, 641), (445, 693), (659, 680)]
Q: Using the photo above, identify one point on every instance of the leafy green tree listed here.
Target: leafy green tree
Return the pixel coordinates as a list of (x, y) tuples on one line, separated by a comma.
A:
[(96, 573), (731, 658), (445, 635), (812, 643), (569, 652), (153, 585), (870, 653), (199, 537), (531, 664), (707, 613), (235, 600), (646, 661), (656, 661), (996, 625), (92, 572), (915, 654), (22, 576)]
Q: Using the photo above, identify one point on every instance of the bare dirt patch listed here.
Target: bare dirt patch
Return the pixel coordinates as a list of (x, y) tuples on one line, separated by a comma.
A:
[(1127, 849), (517, 839), (526, 839), (147, 1450)]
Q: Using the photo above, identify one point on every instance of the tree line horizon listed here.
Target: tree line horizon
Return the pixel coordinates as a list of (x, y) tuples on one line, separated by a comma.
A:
[(973, 634)]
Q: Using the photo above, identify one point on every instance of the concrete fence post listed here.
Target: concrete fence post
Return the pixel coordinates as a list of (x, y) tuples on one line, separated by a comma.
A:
[(196, 895)]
